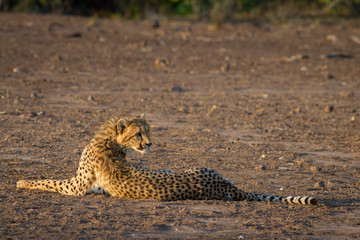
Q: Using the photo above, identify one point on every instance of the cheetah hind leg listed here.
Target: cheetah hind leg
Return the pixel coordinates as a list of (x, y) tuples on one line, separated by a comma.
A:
[(96, 190)]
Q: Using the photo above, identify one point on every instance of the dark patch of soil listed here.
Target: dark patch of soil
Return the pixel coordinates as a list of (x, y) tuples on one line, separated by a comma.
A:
[(275, 109)]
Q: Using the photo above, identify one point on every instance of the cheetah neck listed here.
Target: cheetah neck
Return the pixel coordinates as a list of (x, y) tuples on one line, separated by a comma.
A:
[(105, 141), (108, 146)]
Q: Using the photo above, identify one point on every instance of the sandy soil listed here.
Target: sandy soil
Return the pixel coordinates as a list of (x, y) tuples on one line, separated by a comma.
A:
[(275, 109)]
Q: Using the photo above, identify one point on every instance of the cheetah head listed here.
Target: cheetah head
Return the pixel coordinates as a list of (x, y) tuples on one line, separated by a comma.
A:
[(134, 134)]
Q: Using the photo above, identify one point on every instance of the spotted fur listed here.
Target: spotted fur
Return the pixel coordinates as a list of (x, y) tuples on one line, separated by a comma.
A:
[(103, 168)]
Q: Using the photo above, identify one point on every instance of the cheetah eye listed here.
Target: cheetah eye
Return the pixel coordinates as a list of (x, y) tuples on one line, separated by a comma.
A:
[(138, 135)]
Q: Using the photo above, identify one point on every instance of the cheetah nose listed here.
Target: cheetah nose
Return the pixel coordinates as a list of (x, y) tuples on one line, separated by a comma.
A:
[(148, 144)]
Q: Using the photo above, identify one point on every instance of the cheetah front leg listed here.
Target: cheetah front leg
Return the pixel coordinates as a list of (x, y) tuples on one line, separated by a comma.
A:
[(78, 185)]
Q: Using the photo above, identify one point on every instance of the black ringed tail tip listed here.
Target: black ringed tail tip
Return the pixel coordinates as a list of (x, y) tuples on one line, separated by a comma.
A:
[(302, 200)]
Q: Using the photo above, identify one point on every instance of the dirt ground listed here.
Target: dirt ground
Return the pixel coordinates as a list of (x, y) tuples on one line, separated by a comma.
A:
[(274, 109)]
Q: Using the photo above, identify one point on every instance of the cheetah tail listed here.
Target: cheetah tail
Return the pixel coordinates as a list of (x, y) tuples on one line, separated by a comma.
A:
[(289, 199), (302, 200)]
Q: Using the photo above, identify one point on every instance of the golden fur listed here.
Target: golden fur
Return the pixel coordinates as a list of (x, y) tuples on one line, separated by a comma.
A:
[(103, 168)]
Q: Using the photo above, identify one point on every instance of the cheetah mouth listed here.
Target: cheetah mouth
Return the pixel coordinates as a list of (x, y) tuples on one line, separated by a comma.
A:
[(142, 150)]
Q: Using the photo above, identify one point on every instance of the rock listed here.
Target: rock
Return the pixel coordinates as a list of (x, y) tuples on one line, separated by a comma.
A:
[(34, 95), (315, 169), (329, 109), (260, 167), (355, 39), (294, 58), (77, 152), (330, 76), (176, 89), (183, 109), (28, 115), (297, 110), (225, 67), (303, 69), (331, 38), (319, 184), (156, 24), (162, 63), (213, 108), (91, 98), (338, 55), (146, 49), (260, 110), (102, 39)]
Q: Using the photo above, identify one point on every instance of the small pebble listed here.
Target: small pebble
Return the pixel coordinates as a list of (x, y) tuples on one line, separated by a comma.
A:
[(315, 169), (146, 49), (176, 89), (303, 69), (91, 98), (102, 39), (260, 110), (28, 115), (355, 39), (162, 63), (260, 167), (319, 184), (338, 55), (331, 38), (296, 110), (34, 95), (183, 109), (265, 95), (156, 24), (292, 58), (225, 67), (329, 109)]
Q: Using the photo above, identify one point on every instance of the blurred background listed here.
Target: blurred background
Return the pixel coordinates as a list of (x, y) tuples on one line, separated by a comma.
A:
[(216, 11)]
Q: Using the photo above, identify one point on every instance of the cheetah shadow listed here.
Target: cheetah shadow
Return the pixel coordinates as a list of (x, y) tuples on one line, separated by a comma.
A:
[(347, 202)]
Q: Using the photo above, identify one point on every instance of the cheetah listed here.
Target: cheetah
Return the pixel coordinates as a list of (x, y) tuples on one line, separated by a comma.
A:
[(103, 168)]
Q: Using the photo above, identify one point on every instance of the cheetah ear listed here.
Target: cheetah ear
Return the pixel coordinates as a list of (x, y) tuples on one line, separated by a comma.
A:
[(121, 125), (142, 116)]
